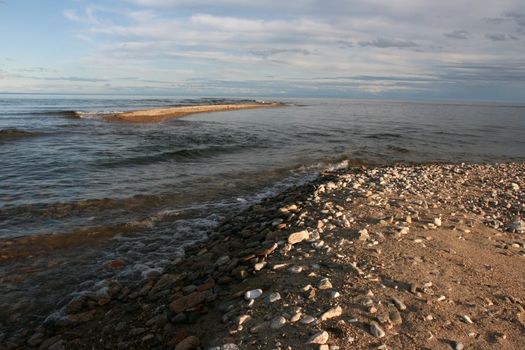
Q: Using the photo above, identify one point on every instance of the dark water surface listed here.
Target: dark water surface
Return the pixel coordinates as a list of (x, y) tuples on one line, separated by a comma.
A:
[(83, 191)]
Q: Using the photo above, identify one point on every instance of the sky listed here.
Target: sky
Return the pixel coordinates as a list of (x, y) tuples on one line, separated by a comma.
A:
[(393, 49)]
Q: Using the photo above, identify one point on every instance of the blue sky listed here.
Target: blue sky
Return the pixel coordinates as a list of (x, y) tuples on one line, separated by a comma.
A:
[(406, 49)]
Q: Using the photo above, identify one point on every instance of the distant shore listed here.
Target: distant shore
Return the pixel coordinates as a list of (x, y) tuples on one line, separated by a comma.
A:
[(161, 114)]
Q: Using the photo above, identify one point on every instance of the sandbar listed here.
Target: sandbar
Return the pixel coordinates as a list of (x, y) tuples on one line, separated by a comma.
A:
[(161, 114)]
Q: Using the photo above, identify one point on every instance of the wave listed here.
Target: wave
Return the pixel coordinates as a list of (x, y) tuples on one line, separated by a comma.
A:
[(186, 154), (381, 136)]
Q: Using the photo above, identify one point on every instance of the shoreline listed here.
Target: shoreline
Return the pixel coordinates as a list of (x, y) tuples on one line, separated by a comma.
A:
[(160, 114), (407, 256)]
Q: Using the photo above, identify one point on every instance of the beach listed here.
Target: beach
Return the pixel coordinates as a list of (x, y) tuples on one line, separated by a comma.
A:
[(160, 114), (367, 257)]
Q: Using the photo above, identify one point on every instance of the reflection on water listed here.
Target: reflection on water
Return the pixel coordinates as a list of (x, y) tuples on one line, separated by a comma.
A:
[(76, 193)]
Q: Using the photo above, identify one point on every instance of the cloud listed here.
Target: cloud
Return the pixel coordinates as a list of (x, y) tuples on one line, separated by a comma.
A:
[(273, 52), (500, 37), (457, 34), (388, 43)]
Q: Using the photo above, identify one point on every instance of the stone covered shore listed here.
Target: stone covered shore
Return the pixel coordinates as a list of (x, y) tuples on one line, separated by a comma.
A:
[(394, 257)]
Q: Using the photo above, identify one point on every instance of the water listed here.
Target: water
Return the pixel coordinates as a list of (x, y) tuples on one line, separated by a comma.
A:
[(76, 193)]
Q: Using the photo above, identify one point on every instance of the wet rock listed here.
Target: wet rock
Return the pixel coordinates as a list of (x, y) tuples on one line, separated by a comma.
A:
[(35, 339), (297, 237), (188, 301), (376, 330), (319, 338), (165, 282), (188, 343), (331, 313)]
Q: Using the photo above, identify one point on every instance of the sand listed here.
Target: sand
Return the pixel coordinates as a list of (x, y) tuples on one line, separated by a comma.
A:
[(161, 114)]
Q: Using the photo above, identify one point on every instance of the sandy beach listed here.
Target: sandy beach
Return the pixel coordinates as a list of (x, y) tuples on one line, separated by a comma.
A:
[(161, 114), (395, 257)]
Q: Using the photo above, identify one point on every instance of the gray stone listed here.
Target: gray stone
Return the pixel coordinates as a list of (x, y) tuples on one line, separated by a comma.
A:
[(376, 330)]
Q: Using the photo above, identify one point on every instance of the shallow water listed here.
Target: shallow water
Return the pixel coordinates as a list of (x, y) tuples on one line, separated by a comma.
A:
[(76, 192)]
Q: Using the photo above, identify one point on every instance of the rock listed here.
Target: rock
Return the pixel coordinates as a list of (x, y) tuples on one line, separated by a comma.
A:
[(319, 338), (189, 343), (278, 322), (517, 226), (437, 222), (266, 249), (222, 260), (297, 237), (331, 313), (253, 294), (188, 301), (363, 234), (273, 297), (259, 266), (240, 273), (229, 346), (307, 319), (325, 284), (459, 346), (335, 295), (376, 330), (260, 327), (295, 317), (395, 317), (242, 319), (296, 269), (399, 303), (35, 339), (466, 319)]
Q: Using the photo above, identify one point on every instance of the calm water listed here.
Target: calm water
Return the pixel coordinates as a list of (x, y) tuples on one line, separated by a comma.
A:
[(84, 191)]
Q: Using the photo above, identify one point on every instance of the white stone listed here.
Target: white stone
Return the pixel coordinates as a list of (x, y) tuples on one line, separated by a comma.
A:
[(253, 294)]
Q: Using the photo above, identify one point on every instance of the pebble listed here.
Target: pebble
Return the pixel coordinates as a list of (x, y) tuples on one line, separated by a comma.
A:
[(319, 338), (363, 234), (459, 346), (222, 260), (331, 313), (295, 317), (189, 343), (229, 346), (325, 284), (307, 319), (259, 266), (278, 322), (335, 295), (437, 222), (399, 303), (376, 330), (298, 237), (273, 297), (467, 319), (395, 317), (296, 269), (253, 294)]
